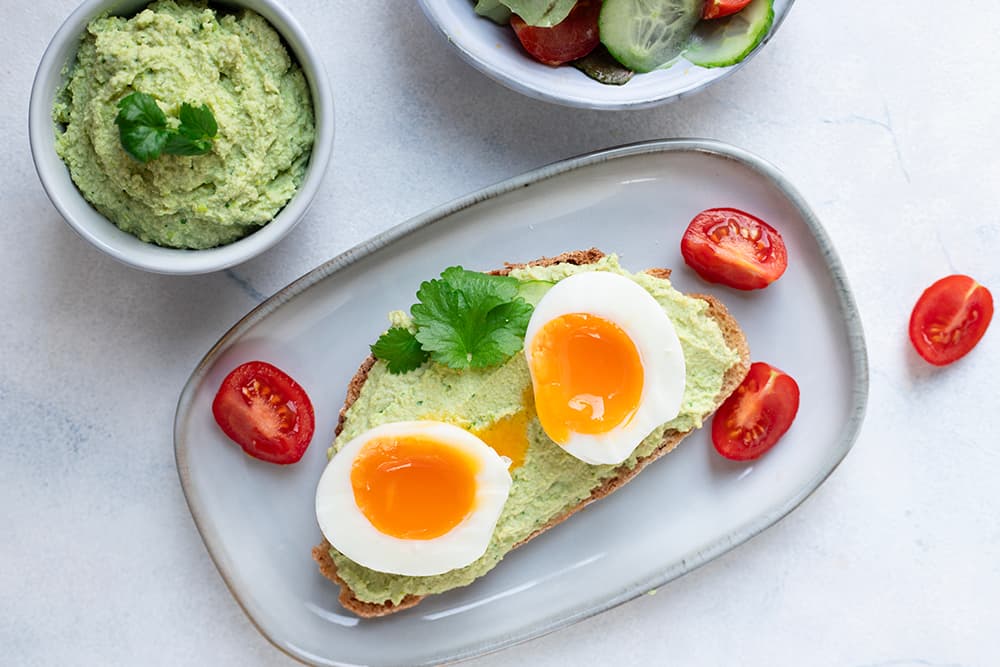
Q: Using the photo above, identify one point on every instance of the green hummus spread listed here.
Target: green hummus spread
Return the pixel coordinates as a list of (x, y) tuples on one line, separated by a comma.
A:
[(186, 52), (550, 480)]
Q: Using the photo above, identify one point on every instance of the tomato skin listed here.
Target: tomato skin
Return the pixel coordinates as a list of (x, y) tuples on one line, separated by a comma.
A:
[(734, 248), (950, 318), (715, 9), (757, 414), (572, 38), (266, 412)]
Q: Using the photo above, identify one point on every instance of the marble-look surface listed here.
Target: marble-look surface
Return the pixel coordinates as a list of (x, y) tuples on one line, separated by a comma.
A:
[(885, 121)]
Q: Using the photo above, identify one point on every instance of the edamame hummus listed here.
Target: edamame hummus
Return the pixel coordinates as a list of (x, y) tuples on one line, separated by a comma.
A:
[(187, 52)]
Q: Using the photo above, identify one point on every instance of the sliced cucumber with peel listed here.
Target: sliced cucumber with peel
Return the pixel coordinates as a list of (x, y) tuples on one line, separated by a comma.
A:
[(644, 34), (727, 41), (532, 291)]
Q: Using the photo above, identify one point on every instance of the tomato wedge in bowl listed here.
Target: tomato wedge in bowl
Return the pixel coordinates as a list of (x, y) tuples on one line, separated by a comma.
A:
[(757, 414), (266, 412), (950, 318), (716, 9), (732, 247), (572, 38)]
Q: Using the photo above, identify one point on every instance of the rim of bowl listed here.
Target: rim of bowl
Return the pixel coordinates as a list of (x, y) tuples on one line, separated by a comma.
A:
[(86, 221), (591, 98)]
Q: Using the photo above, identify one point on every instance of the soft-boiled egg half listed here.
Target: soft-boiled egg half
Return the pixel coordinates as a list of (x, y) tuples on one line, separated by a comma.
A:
[(415, 498), (606, 365)]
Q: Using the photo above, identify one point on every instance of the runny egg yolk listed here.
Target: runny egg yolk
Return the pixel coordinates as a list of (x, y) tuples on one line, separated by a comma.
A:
[(508, 437), (414, 488), (587, 375)]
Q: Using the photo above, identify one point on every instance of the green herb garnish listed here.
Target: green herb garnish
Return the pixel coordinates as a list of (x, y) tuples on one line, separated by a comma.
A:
[(400, 349), (465, 319), (145, 134)]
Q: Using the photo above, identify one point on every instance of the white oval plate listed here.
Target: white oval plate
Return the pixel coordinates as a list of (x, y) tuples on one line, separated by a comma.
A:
[(494, 50), (257, 519)]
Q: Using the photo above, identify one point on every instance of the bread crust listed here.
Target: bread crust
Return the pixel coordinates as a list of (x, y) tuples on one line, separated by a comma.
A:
[(732, 379)]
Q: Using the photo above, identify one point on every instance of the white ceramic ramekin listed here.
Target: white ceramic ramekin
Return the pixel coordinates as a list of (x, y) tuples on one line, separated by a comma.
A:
[(97, 229)]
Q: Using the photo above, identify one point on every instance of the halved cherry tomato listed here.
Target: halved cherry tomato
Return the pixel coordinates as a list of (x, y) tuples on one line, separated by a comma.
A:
[(950, 318), (757, 414), (265, 412), (715, 9), (734, 248), (574, 37)]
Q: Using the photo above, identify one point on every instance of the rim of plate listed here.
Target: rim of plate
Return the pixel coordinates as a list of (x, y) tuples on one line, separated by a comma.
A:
[(846, 303), (510, 80)]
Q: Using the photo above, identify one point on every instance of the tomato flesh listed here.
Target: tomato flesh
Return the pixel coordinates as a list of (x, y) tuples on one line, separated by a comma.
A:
[(734, 248), (266, 412), (715, 9), (950, 318), (757, 414), (571, 39)]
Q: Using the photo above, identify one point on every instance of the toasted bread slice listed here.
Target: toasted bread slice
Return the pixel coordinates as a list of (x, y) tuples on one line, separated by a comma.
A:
[(734, 339)]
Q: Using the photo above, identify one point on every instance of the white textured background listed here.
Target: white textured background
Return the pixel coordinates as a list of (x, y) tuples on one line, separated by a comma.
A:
[(883, 113)]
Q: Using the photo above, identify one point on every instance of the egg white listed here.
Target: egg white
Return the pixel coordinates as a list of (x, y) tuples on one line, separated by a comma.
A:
[(620, 300), (349, 531)]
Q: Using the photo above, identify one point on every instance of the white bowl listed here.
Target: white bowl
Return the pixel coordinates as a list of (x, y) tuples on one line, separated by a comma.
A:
[(104, 234), (495, 51)]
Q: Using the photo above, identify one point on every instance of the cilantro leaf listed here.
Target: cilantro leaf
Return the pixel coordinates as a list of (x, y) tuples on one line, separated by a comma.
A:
[(400, 350), (143, 142), (195, 133), (142, 126), (467, 319), (504, 332), (140, 109), (197, 122), (145, 134), (178, 144), (477, 285)]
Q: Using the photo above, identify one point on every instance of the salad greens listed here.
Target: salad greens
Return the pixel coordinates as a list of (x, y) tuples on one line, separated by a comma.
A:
[(635, 35), (540, 13), (601, 66), (494, 10)]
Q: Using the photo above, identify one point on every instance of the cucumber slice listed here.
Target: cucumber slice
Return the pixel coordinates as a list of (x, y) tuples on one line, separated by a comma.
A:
[(644, 34), (494, 10), (532, 291), (727, 41)]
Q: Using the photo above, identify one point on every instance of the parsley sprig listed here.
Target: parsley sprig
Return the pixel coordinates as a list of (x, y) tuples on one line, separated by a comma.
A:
[(465, 319), (145, 133)]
